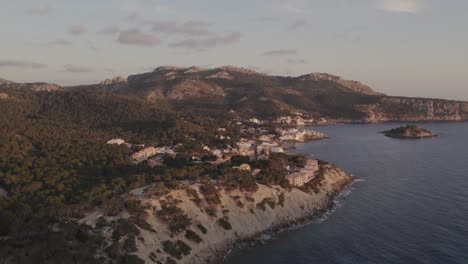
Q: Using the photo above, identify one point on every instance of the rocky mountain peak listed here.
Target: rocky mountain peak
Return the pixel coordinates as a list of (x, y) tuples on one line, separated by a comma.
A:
[(3, 81), (41, 87), (350, 84), (113, 81), (168, 68), (230, 68)]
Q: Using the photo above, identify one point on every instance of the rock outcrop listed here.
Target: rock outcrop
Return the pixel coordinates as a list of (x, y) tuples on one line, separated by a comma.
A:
[(414, 109), (194, 88), (4, 96)]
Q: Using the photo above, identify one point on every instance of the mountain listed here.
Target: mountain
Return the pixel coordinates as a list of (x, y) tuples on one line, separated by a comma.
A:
[(250, 93), (37, 87), (247, 93)]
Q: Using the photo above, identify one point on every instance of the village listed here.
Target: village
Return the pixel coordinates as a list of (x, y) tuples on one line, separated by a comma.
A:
[(259, 141)]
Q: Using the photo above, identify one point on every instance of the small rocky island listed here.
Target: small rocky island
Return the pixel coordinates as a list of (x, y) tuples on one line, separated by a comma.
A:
[(410, 131)]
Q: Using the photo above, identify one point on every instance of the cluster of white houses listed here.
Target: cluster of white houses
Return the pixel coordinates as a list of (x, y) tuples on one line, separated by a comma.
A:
[(259, 143), (297, 135), (296, 120)]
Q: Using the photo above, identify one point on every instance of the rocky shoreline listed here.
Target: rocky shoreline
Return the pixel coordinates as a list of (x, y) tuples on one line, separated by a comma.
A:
[(220, 254), (306, 219)]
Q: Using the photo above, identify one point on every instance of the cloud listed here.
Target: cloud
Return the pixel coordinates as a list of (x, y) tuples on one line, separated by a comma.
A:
[(56, 43), (192, 27), (289, 6), (135, 37), (92, 47), (138, 10), (40, 11), (77, 69), (297, 24), (21, 64), (110, 30), (76, 29), (207, 42), (280, 52), (269, 18), (296, 61), (400, 6)]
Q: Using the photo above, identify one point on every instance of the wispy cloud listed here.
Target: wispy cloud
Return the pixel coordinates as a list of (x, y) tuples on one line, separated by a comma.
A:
[(280, 52), (135, 37), (192, 27), (289, 6), (138, 10), (269, 18), (40, 11), (400, 6), (207, 42), (76, 29), (77, 69), (110, 30), (56, 43), (21, 64), (296, 61), (297, 24)]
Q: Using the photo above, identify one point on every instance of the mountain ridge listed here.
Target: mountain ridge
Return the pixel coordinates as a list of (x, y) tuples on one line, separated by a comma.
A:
[(248, 93)]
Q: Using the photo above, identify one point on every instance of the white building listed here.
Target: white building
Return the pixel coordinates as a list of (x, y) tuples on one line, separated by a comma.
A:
[(116, 141), (304, 175)]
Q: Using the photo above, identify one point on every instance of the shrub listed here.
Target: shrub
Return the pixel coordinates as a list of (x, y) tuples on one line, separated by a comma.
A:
[(135, 208), (129, 245), (176, 250), (131, 259), (194, 194), (211, 211), (210, 193), (224, 223), (202, 229), (170, 261), (175, 218), (152, 256), (264, 202), (190, 235), (281, 199)]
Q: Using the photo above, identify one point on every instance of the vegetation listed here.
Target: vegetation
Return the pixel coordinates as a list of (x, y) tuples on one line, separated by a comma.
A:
[(190, 235), (175, 218), (267, 201), (202, 229), (224, 223), (177, 249)]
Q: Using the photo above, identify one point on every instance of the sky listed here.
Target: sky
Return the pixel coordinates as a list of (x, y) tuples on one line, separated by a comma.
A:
[(399, 47)]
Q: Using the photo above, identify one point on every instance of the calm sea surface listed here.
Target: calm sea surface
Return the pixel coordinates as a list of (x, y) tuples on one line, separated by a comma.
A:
[(410, 206)]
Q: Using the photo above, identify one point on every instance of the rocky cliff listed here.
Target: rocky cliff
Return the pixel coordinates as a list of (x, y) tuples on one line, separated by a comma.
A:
[(414, 109), (238, 215)]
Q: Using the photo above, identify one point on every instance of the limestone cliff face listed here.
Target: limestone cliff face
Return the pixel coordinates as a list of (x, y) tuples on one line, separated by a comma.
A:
[(243, 213), (414, 109)]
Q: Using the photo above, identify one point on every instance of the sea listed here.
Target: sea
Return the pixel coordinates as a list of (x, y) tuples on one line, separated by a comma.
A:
[(408, 206)]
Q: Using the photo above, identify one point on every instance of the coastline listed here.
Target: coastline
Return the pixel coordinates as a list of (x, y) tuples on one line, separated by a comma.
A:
[(291, 207), (285, 227), (219, 255)]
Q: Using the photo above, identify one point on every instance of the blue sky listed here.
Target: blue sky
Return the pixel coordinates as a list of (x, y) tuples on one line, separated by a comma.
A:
[(400, 47)]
